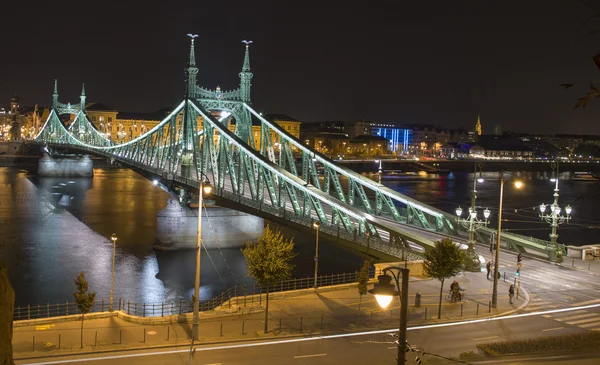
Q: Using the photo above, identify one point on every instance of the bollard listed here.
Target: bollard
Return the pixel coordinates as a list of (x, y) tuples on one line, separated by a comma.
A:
[(95, 338), (102, 305), (221, 329), (244, 299), (144, 334), (162, 309), (490, 306), (28, 312), (279, 324), (33, 344), (321, 323), (120, 337), (67, 306), (477, 308), (461, 309), (504, 276), (259, 298), (573, 263), (59, 341), (243, 322), (418, 300), (301, 319), (168, 333), (425, 313), (47, 310)]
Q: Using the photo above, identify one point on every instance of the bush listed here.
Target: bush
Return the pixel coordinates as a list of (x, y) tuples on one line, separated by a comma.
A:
[(575, 341)]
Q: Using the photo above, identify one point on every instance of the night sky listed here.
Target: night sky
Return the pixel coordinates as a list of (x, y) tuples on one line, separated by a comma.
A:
[(423, 62)]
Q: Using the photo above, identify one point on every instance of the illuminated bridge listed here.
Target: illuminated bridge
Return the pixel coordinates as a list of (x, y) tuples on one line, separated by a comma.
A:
[(281, 180)]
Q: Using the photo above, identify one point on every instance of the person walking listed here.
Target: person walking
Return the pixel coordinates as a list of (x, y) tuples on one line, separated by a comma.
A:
[(511, 294), (489, 269)]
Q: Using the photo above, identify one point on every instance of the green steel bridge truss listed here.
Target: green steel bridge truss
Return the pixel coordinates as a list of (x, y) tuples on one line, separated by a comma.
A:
[(280, 178)]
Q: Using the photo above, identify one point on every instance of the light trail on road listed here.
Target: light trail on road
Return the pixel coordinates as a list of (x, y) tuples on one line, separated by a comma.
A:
[(294, 340)]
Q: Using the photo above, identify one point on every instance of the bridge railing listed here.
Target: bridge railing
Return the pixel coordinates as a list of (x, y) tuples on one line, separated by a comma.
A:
[(239, 295)]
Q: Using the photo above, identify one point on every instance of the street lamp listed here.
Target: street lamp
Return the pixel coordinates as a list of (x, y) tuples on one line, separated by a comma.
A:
[(384, 292), (472, 222), (204, 188), (112, 282), (518, 185), (554, 217), (316, 226)]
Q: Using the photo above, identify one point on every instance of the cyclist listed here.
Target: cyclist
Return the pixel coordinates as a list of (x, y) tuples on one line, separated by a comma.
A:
[(456, 292)]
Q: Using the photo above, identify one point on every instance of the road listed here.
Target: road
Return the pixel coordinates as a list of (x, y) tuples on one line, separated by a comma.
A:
[(446, 339)]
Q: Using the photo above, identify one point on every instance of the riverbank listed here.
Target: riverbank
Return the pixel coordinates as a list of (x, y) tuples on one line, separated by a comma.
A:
[(447, 166)]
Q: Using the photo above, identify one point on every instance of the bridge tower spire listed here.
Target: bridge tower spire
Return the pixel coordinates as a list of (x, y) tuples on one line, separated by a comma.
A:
[(82, 97), (246, 75), (55, 95), (191, 70)]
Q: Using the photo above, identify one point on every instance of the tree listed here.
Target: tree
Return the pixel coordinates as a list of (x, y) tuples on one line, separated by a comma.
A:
[(268, 261), (84, 300), (363, 281), (442, 261)]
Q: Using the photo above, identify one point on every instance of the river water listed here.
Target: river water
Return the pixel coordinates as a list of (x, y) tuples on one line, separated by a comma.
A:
[(45, 248)]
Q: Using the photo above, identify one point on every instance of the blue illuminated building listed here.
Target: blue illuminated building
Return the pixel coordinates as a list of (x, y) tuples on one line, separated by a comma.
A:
[(399, 138)]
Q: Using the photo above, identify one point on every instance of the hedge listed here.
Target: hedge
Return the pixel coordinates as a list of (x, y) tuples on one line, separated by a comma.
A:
[(575, 341)]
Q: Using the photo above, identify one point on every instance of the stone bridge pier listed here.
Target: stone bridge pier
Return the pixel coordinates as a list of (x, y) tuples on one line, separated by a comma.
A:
[(177, 226)]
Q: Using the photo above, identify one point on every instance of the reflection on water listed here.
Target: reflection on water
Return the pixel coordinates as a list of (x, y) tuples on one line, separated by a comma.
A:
[(46, 244)]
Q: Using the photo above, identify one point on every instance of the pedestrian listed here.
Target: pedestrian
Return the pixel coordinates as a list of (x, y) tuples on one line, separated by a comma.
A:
[(511, 294), (489, 269), (519, 258)]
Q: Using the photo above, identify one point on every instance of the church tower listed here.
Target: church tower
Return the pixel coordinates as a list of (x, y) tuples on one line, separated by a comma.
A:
[(246, 76), (478, 125)]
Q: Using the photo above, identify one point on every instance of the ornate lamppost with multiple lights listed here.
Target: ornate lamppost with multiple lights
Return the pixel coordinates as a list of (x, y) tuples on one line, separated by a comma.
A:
[(384, 292), (472, 222), (554, 216)]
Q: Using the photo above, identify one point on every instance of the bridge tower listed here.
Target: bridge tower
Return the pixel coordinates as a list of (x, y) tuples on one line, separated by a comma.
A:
[(190, 149), (82, 98), (55, 95), (246, 76)]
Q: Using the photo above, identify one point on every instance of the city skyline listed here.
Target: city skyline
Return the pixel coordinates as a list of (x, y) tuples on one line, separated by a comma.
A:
[(384, 64)]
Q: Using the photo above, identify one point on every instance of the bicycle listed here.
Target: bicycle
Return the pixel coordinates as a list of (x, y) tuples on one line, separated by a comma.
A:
[(463, 297)]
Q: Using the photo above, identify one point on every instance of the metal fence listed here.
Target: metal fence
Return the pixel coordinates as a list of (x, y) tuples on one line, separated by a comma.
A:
[(236, 295)]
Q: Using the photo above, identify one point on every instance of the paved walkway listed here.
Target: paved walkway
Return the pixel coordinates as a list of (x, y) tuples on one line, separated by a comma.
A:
[(298, 313)]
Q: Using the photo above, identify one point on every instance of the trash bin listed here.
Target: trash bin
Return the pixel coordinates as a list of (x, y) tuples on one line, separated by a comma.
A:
[(418, 300)]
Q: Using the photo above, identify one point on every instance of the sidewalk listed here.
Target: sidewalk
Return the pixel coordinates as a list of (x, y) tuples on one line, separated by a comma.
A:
[(330, 310)]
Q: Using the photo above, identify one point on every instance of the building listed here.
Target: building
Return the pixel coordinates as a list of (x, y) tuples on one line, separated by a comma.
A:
[(478, 129), (494, 147), (399, 138), (369, 145), (497, 129)]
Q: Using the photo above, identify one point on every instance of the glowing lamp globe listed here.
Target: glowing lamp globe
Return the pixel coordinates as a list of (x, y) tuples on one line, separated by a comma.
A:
[(542, 207), (207, 187), (518, 184), (486, 213), (459, 211), (568, 209), (384, 291)]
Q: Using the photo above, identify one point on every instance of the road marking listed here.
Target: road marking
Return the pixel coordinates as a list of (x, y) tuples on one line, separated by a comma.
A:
[(586, 325), (485, 338), (44, 327), (216, 363), (552, 329), (580, 316), (581, 321), (303, 356), (585, 303)]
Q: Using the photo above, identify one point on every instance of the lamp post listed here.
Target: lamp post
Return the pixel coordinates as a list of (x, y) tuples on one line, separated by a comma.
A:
[(554, 217), (112, 280), (206, 188), (316, 226), (518, 185), (384, 291), (472, 222)]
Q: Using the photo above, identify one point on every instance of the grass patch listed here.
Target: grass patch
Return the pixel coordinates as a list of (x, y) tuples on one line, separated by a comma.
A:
[(575, 341)]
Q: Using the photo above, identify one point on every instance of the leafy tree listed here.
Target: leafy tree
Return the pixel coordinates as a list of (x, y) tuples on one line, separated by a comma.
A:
[(268, 261), (442, 261), (84, 300), (363, 281)]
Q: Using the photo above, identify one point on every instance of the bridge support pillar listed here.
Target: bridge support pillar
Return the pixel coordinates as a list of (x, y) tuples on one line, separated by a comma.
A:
[(177, 226), (66, 166)]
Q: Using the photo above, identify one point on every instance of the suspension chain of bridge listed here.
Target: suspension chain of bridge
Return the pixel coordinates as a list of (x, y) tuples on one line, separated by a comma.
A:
[(190, 144)]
